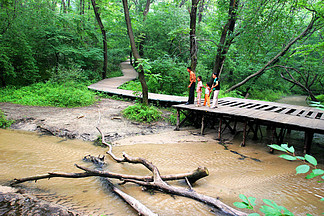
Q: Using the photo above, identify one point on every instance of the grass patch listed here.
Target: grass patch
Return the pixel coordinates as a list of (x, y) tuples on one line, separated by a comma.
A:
[(142, 113), (69, 94)]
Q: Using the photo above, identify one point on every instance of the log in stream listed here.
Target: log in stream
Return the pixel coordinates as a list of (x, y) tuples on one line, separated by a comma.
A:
[(156, 181)]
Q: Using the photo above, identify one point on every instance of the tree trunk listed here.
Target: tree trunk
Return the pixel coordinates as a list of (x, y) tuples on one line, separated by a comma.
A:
[(201, 10), (182, 3), (305, 87), (63, 6), (147, 8), (226, 37), (193, 41), (136, 55), (104, 38), (275, 59)]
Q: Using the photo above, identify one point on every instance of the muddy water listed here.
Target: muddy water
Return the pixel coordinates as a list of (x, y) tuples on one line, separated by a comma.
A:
[(260, 174)]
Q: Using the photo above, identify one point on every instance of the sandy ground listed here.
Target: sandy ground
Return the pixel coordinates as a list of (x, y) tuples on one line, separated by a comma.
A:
[(81, 123)]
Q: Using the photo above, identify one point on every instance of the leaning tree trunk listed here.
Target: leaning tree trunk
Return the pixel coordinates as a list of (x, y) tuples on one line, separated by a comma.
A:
[(193, 41), (136, 55), (225, 42), (275, 59), (104, 38)]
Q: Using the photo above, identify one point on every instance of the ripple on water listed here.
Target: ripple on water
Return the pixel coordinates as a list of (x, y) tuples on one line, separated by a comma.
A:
[(25, 154)]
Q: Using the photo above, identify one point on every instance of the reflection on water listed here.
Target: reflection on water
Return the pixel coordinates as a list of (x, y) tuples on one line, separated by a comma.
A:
[(25, 154), (294, 100)]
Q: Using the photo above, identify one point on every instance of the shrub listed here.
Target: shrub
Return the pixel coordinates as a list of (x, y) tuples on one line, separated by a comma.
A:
[(142, 113), (4, 123)]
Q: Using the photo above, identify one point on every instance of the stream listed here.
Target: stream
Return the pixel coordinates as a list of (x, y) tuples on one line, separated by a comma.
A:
[(257, 173)]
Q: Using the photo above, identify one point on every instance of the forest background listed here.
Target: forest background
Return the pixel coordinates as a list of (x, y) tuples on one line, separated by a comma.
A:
[(50, 51)]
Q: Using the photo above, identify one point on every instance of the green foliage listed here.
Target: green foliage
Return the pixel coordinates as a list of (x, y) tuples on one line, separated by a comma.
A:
[(164, 76), (318, 105), (68, 94), (301, 169), (305, 168), (4, 122), (142, 113), (320, 98), (270, 209), (172, 118)]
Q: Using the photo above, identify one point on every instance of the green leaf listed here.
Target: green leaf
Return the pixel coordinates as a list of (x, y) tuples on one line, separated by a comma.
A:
[(267, 210), (300, 158), (241, 205), (318, 171), (289, 149), (302, 169), (288, 157), (252, 201), (311, 159), (277, 147), (244, 198), (315, 172), (254, 214), (322, 199), (270, 203)]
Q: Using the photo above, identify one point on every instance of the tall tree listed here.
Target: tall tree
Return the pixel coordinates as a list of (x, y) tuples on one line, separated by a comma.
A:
[(193, 39), (136, 55), (104, 37), (227, 36)]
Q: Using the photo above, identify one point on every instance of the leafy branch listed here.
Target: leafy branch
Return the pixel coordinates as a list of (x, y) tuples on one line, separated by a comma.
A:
[(271, 208), (310, 161)]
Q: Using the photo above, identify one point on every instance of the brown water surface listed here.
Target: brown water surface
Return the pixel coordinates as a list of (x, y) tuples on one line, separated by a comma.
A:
[(25, 154)]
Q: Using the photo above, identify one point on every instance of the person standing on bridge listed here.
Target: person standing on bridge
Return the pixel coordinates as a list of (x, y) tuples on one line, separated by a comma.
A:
[(215, 87), (199, 90), (191, 86)]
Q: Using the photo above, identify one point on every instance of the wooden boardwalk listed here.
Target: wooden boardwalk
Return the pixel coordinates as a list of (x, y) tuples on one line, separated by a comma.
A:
[(110, 86), (254, 113)]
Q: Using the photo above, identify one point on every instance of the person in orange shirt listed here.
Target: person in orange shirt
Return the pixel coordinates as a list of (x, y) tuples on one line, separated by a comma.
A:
[(191, 86), (207, 94)]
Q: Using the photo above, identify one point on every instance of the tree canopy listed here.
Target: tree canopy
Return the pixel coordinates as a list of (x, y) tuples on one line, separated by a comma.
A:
[(234, 38)]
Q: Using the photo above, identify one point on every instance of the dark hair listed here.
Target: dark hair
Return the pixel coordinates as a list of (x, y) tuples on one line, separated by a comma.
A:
[(208, 83), (200, 78), (215, 74), (189, 68)]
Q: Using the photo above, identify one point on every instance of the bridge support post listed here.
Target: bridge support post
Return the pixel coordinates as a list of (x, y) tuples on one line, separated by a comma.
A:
[(308, 141), (202, 125), (244, 134), (220, 129), (178, 120)]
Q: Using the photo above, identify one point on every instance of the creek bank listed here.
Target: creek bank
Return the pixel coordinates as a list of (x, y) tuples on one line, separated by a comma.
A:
[(81, 122)]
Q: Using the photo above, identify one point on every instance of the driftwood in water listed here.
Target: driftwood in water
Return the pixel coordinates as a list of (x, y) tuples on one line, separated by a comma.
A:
[(156, 181), (159, 184)]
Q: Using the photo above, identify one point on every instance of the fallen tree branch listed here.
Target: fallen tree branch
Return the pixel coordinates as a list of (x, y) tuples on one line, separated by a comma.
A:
[(161, 185), (156, 182), (275, 59), (192, 176)]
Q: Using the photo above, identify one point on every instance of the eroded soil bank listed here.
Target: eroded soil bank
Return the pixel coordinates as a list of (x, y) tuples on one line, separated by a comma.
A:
[(80, 123)]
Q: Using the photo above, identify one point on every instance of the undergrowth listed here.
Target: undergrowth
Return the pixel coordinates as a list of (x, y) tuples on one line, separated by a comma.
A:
[(4, 122), (142, 113), (68, 94)]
